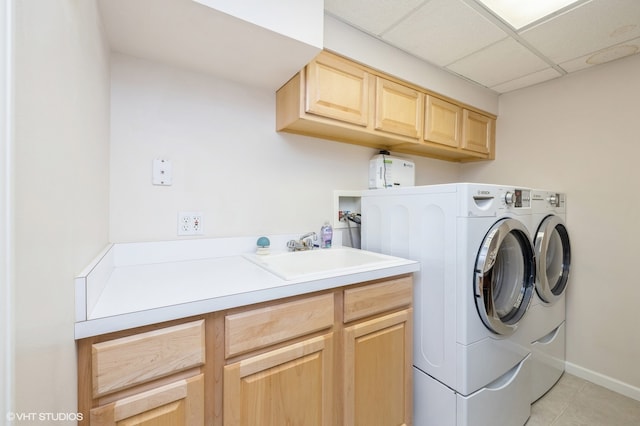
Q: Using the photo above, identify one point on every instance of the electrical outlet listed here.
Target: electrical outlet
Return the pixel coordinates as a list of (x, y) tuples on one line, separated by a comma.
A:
[(190, 223)]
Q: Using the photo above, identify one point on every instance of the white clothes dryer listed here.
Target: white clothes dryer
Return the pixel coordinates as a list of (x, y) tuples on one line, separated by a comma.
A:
[(546, 324), (470, 297)]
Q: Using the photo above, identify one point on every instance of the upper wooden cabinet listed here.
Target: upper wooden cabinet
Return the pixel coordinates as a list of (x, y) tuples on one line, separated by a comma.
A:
[(478, 132), (398, 108), (443, 122), (335, 98), (338, 90)]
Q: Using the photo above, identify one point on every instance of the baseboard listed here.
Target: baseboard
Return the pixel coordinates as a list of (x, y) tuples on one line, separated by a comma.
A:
[(604, 381)]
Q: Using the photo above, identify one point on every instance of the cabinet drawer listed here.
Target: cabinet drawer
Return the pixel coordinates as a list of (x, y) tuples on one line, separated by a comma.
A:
[(373, 299), (128, 361), (258, 328), (178, 403)]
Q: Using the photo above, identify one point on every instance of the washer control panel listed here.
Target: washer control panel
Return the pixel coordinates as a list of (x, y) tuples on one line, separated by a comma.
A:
[(518, 198)]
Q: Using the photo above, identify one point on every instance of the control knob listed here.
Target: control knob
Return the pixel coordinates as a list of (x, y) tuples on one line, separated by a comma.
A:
[(553, 200), (509, 198)]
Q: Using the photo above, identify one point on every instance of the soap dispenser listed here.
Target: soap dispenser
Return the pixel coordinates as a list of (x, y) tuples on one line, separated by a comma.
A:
[(326, 235)]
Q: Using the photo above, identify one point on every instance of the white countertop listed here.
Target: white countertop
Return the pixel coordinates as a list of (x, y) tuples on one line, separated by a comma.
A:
[(135, 284)]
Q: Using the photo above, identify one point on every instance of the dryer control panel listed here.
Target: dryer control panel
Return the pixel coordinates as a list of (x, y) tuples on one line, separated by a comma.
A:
[(493, 200)]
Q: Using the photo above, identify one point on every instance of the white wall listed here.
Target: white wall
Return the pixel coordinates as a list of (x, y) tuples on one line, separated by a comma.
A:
[(228, 160), (580, 135), (61, 189), (300, 20)]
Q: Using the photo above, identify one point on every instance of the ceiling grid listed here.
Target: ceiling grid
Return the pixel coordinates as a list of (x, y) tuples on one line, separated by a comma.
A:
[(467, 38)]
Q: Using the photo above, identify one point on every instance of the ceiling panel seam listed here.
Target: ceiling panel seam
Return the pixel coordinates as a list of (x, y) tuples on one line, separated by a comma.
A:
[(511, 32)]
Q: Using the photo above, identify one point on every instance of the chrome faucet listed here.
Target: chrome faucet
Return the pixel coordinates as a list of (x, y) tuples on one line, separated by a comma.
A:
[(305, 242)]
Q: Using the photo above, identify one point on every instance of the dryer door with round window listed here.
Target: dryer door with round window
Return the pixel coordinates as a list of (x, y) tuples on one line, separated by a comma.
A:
[(504, 276), (553, 254)]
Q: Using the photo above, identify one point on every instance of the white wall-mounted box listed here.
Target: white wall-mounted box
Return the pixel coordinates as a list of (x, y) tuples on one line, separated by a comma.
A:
[(344, 201)]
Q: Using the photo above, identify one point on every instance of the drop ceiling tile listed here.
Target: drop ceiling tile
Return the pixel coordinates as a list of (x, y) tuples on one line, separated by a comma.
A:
[(520, 14), (608, 54), (588, 28), (443, 31), (374, 19), (527, 80), (501, 62)]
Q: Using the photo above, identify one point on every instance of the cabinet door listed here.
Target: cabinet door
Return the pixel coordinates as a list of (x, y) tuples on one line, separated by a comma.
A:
[(398, 108), (377, 371), (175, 404), (337, 89), (442, 122), (291, 385), (477, 132)]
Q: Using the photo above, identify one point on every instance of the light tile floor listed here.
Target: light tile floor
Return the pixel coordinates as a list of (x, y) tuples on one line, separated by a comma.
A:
[(577, 402)]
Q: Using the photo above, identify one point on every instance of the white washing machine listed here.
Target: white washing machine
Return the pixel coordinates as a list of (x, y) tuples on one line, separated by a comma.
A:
[(545, 326), (471, 295)]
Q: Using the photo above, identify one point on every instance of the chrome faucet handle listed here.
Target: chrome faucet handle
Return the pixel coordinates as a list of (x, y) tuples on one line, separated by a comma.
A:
[(304, 243), (308, 235), (308, 239)]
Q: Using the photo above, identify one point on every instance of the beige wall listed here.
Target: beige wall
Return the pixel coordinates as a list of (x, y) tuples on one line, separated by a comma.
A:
[(580, 135), (6, 234), (61, 189)]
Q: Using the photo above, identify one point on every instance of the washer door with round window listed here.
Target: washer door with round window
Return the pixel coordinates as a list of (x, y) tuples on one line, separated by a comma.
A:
[(504, 276), (553, 254)]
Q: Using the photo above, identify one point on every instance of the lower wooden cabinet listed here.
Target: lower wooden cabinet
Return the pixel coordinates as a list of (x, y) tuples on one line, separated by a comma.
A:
[(153, 376), (178, 403), (292, 385), (377, 371), (377, 354), (335, 357)]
